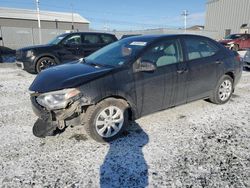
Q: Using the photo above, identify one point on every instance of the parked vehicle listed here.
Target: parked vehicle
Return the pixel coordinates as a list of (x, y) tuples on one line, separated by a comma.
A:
[(63, 49), (7, 55), (132, 78), (246, 59), (236, 41)]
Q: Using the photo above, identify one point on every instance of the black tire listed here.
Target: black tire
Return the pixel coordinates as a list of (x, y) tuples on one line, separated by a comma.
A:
[(44, 63), (93, 112), (215, 97)]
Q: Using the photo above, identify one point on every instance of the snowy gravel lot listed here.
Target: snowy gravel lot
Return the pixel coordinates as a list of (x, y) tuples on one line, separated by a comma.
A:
[(195, 145)]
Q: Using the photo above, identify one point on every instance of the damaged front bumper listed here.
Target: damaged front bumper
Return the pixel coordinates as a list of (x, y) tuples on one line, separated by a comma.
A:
[(73, 115)]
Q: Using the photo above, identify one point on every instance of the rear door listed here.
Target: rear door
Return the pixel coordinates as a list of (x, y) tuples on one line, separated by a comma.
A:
[(107, 39), (161, 88), (91, 42), (204, 65)]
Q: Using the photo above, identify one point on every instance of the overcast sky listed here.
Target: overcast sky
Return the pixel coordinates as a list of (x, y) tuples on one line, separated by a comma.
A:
[(126, 14)]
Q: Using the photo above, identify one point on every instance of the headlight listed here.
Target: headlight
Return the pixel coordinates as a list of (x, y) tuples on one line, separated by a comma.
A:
[(57, 99), (230, 43), (29, 53)]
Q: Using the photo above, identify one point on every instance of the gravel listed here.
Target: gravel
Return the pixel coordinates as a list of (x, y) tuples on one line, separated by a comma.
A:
[(194, 145)]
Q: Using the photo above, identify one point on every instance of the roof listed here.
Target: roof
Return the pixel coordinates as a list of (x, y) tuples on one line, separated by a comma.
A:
[(28, 14), (149, 38), (73, 33)]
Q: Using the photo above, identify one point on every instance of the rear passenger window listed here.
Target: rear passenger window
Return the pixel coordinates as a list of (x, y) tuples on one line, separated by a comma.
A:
[(107, 39), (164, 53), (91, 39), (197, 48)]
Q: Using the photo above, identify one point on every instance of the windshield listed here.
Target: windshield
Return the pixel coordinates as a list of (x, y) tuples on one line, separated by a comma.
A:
[(232, 37), (118, 53), (57, 40)]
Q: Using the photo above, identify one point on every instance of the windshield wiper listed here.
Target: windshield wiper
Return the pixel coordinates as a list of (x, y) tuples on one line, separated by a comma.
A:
[(93, 64)]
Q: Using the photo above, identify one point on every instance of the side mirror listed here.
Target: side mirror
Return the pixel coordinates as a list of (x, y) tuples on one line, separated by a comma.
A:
[(1, 38), (146, 66)]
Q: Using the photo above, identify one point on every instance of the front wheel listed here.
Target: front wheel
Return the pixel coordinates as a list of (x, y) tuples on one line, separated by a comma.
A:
[(106, 120), (44, 63), (223, 91)]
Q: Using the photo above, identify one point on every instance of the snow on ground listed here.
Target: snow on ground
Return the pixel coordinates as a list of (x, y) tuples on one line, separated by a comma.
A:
[(194, 145)]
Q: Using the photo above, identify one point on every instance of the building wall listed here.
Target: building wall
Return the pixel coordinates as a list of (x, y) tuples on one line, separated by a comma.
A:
[(227, 14), (44, 24)]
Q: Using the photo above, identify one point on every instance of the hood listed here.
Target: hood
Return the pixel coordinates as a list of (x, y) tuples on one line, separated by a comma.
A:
[(36, 47), (66, 76)]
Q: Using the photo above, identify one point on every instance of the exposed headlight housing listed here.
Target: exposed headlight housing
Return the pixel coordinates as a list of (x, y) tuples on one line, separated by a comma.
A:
[(29, 53), (57, 99)]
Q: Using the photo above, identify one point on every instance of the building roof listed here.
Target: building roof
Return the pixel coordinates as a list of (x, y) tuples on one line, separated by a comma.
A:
[(28, 14)]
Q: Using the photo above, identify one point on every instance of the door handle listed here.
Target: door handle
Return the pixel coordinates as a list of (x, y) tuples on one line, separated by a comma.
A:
[(181, 71), (218, 62)]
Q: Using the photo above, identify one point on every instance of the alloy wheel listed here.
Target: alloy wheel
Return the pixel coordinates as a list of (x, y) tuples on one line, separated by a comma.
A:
[(46, 63)]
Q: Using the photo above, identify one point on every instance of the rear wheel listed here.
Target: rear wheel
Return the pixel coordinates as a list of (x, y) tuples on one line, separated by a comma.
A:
[(44, 63), (106, 120), (223, 91)]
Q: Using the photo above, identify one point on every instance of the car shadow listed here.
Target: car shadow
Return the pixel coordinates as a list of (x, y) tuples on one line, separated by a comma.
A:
[(124, 164)]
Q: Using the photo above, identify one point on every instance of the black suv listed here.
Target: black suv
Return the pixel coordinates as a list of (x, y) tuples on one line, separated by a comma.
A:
[(64, 48), (131, 78)]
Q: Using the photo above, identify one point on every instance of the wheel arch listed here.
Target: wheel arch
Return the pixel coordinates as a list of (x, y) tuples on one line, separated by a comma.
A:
[(231, 74), (131, 106)]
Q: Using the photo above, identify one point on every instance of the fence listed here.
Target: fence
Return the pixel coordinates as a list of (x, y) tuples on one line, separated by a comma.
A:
[(17, 37)]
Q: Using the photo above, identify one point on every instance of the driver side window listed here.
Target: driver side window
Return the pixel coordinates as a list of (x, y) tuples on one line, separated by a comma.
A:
[(164, 53), (73, 40)]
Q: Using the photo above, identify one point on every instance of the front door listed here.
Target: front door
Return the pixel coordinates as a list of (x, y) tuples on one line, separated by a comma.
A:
[(161, 88), (70, 48)]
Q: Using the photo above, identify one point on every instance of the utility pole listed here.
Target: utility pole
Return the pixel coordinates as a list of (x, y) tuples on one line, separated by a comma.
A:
[(72, 17), (39, 21), (185, 14)]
